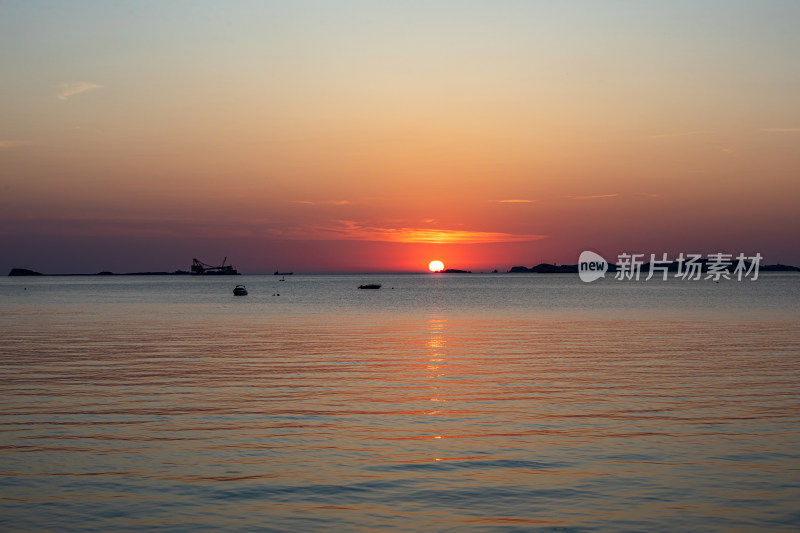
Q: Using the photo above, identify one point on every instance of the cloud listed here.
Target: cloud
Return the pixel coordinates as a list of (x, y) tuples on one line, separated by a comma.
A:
[(12, 143), (350, 230), (590, 196), (325, 202), (65, 90), (103, 224), (514, 201), (672, 135), (781, 130)]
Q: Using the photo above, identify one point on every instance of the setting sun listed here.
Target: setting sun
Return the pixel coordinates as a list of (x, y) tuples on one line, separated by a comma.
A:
[(435, 266)]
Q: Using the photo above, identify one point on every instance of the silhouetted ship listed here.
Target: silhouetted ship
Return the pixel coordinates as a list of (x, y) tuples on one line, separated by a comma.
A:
[(370, 286), (283, 273), (198, 267)]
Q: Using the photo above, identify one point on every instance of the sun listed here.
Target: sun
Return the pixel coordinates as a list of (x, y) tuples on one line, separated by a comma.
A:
[(435, 266)]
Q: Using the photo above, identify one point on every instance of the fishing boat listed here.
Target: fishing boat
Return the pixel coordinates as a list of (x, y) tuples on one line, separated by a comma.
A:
[(370, 286), (239, 290)]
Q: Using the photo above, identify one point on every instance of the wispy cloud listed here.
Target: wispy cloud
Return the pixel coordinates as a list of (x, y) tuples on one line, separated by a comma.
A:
[(590, 196), (351, 230), (66, 90), (104, 224), (13, 143), (514, 201), (674, 134), (325, 202), (781, 130)]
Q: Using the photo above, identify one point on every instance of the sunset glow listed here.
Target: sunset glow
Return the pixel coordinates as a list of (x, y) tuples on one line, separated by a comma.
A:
[(335, 137), (400, 265)]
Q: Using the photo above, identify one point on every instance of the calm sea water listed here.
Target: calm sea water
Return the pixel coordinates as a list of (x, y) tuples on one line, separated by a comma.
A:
[(438, 403)]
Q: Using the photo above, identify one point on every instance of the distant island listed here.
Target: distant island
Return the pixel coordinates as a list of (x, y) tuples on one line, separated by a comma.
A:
[(547, 268), (453, 271), (27, 272), (779, 268), (23, 272), (198, 268)]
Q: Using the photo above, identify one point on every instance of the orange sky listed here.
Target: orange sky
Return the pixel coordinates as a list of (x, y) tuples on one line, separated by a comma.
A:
[(376, 137)]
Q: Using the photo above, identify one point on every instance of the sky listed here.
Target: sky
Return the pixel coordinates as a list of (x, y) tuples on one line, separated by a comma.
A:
[(364, 136)]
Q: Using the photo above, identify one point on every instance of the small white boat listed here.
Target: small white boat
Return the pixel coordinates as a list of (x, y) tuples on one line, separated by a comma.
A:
[(239, 290)]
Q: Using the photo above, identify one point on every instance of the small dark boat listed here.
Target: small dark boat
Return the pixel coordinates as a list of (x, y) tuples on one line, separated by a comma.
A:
[(370, 286), (239, 290), (277, 273)]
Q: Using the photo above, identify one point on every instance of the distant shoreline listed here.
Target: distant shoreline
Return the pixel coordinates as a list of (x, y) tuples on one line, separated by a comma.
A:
[(27, 272), (546, 268), (543, 268)]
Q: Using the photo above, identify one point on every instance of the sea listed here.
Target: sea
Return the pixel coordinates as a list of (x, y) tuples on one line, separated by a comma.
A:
[(439, 402)]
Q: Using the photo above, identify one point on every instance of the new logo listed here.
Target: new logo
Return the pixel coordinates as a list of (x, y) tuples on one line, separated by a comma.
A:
[(591, 266)]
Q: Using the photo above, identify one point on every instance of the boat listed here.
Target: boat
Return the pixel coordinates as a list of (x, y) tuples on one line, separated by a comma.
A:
[(277, 273), (370, 286), (200, 268), (239, 290)]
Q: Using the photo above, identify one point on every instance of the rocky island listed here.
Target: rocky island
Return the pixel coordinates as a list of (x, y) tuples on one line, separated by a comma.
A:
[(23, 272)]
